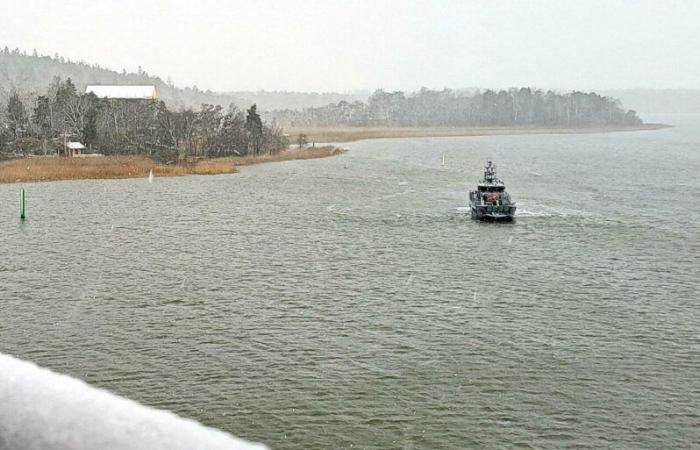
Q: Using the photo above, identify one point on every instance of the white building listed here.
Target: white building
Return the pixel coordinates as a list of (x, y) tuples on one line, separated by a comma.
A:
[(123, 91)]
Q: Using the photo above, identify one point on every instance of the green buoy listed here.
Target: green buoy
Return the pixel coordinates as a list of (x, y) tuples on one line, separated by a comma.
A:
[(21, 205)]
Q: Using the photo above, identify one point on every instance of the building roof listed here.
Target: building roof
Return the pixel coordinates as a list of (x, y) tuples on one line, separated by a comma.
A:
[(124, 91), (75, 146)]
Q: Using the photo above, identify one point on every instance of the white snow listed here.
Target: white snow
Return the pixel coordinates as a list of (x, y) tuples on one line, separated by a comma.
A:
[(40, 409), (123, 91)]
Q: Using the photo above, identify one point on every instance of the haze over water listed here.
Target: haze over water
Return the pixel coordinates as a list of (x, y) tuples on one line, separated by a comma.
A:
[(350, 301)]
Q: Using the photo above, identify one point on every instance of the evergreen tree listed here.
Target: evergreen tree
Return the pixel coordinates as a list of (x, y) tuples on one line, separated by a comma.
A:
[(16, 116), (254, 129), (41, 118), (88, 131)]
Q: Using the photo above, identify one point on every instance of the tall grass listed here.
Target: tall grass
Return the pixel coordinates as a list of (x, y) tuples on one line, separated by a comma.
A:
[(48, 168), (303, 153)]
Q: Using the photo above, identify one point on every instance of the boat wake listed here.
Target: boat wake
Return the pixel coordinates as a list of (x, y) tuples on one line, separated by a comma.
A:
[(545, 211), (529, 213), (534, 212)]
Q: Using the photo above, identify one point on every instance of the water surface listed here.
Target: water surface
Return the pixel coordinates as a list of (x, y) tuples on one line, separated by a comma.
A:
[(351, 302)]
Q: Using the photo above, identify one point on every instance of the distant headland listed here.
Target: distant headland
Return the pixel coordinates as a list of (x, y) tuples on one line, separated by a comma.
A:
[(350, 134), (54, 110)]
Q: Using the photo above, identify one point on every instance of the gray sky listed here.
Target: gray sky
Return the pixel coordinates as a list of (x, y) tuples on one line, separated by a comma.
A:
[(329, 45)]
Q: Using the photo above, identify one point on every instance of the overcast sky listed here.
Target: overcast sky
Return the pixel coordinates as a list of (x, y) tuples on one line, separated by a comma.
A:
[(327, 45)]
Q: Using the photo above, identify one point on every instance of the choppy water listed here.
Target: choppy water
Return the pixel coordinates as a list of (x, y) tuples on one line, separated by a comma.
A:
[(350, 302)]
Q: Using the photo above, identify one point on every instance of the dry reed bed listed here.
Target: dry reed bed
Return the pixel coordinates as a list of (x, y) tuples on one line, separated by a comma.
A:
[(349, 134), (47, 168), (305, 153)]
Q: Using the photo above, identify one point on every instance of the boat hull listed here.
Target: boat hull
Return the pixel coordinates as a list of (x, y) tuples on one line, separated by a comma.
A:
[(493, 213)]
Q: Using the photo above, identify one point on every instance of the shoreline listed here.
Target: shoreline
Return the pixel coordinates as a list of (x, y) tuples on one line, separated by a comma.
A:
[(351, 134), (53, 168)]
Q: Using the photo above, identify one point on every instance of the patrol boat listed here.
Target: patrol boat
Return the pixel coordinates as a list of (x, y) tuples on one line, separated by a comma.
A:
[(490, 201)]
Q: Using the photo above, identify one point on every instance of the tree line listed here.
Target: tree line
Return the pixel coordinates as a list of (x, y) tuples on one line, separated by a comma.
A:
[(31, 72), (42, 124), (512, 107)]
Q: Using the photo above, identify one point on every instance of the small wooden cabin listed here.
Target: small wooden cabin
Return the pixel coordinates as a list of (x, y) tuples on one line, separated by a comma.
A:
[(74, 149)]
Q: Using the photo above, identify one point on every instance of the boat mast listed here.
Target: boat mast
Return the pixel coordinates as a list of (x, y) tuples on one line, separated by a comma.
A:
[(490, 172)]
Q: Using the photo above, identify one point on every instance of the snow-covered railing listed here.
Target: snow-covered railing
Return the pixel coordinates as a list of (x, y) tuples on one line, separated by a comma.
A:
[(40, 409)]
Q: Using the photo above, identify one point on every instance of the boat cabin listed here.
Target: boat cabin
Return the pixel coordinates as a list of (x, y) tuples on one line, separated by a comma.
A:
[(490, 188)]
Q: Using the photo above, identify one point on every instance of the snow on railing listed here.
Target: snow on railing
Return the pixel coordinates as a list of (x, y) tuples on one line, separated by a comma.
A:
[(41, 409)]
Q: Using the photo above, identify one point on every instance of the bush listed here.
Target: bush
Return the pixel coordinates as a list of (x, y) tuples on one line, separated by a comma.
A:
[(24, 146)]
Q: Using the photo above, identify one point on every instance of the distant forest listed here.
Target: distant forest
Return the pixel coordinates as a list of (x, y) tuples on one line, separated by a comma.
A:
[(513, 107), (271, 100), (29, 75), (42, 104)]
